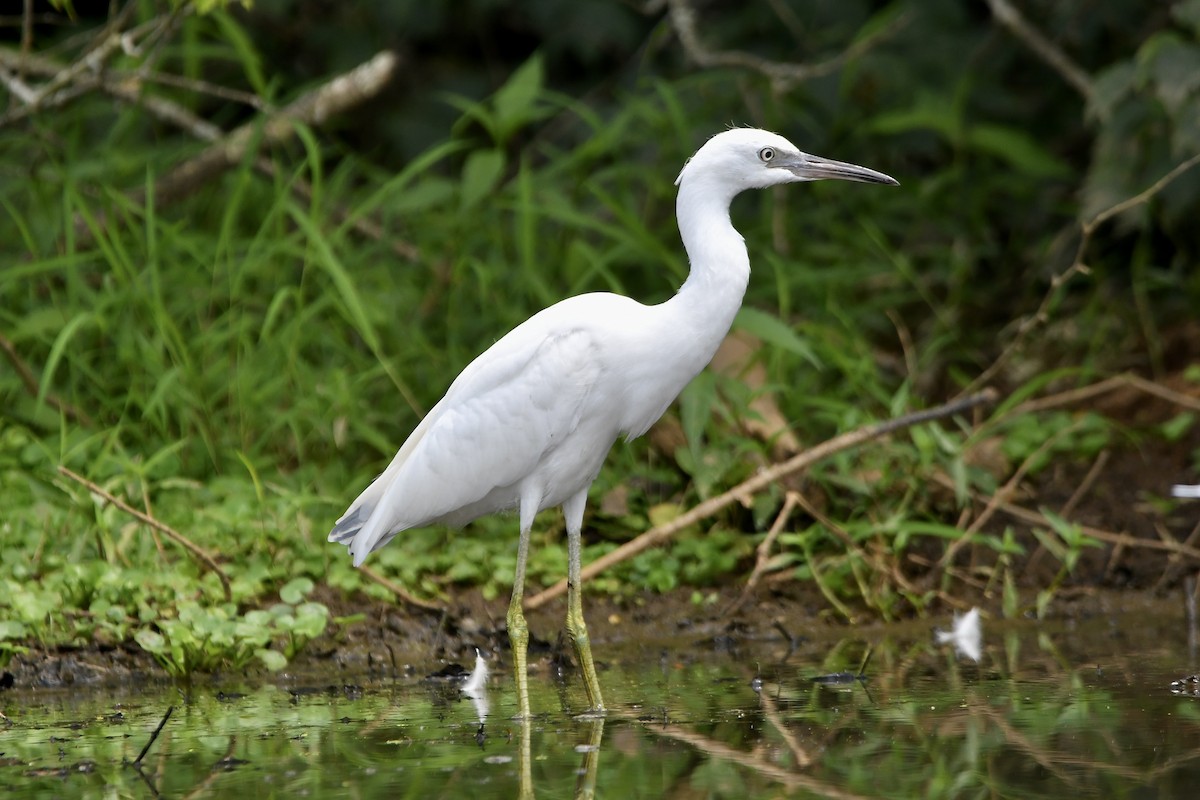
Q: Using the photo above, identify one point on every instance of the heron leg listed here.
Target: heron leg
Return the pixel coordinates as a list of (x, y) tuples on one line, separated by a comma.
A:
[(573, 511), (518, 629)]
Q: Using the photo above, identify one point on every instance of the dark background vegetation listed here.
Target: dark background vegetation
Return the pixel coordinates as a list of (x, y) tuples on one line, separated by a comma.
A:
[(239, 359)]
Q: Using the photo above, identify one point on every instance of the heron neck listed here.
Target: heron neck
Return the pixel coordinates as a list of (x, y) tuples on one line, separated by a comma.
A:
[(720, 266)]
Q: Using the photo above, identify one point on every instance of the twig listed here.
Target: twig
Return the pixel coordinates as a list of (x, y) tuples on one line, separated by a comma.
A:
[(312, 108), (110, 41), (31, 384), (1008, 16), (1003, 493), (1142, 196), (771, 714), (763, 553), (1072, 396), (761, 481), (154, 736), (782, 74), (879, 564), (1085, 485), (751, 761), (1119, 539), (399, 590), (126, 86), (1077, 267), (170, 532)]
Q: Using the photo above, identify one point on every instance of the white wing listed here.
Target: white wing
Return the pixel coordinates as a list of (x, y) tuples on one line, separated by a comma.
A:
[(498, 421)]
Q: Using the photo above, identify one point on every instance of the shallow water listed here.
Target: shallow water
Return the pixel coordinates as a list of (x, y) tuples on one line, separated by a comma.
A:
[(1078, 708)]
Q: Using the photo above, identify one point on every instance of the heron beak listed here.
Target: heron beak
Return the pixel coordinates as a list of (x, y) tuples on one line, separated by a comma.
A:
[(814, 168)]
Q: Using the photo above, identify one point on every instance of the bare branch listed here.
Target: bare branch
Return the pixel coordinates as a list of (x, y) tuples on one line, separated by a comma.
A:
[(782, 74), (1077, 267), (399, 590), (759, 482), (313, 108), (1008, 16), (177, 537)]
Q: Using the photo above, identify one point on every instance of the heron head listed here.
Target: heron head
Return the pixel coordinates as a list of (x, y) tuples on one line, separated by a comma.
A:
[(748, 158)]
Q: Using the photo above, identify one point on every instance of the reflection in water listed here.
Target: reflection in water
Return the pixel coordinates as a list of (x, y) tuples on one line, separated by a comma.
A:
[(476, 688), (966, 635), (1083, 709)]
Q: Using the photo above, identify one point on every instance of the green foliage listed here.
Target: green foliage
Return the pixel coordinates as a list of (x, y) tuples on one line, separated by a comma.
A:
[(218, 637), (243, 360)]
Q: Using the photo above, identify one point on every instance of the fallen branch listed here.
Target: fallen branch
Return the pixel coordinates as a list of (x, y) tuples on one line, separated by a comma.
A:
[(761, 481), (1119, 539), (312, 108), (1072, 396), (127, 87), (762, 560), (399, 590), (1003, 493), (201, 556)]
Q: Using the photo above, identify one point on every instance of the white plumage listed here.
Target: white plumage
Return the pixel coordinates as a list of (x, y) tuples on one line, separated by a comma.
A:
[(528, 423)]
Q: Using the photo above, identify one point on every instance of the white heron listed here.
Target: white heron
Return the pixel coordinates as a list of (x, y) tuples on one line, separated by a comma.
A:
[(528, 423)]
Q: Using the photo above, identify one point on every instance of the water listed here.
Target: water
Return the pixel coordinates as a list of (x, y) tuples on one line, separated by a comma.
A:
[(1079, 709)]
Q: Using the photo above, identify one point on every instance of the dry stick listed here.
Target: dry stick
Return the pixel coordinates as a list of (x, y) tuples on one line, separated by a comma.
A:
[(750, 761), (399, 590), (1077, 267), (1170, 570), (783, 75), (762, 480), (763, 557), (1119, 539), (1008, 16), (1072, 396), (771, 714), (63, 85), (1085, 485), (31, 384), (171, 533), (154, 736), (127, 87), (1003, 493), (312, 108), (848, 542)]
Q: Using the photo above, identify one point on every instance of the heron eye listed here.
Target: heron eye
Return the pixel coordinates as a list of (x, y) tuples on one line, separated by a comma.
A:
[(766, 154)]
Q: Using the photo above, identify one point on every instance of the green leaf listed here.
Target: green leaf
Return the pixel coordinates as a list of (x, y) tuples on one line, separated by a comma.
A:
[(1109, 88), (1176, 71), (12, 629), (60, 346), (271, 659), (295, 590), (243, 45), (514, 101), (695, 408), (151, 641), (1177, 427), (1018, 149), (775, 332), (480, 175)]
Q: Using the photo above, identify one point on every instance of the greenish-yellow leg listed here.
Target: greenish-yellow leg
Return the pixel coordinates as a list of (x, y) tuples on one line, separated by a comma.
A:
[(518, 629), (573, 511)]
